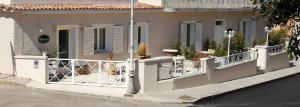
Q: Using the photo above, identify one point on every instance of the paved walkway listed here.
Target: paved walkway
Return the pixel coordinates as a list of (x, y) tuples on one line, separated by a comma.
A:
[(188, 95)]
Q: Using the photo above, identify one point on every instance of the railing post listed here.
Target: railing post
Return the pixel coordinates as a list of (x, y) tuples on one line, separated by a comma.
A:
[(73, 70)]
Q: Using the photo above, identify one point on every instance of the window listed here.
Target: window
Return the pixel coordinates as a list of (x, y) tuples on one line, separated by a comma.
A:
[(188, 35), (191, 34), (219, 22), (139, 34), (100, 39)]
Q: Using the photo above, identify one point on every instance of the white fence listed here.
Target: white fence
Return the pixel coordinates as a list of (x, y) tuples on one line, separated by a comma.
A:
[(183, 67), (235, 59), (87, 72), (276, 49)]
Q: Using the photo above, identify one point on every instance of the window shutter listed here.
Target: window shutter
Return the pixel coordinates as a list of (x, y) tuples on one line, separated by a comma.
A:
[(118, 39), (199, 36), (193, 34), (109, 37), (253, 29), (145, 29), (241, 27), (88, 41), (183, 34)]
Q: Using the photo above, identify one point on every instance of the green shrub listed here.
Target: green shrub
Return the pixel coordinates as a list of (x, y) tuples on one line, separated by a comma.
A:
[(220, 51), (237, 44), (212, 44), (177, 46), (277, 37), (189, 52), (258, 42), (206, 44)]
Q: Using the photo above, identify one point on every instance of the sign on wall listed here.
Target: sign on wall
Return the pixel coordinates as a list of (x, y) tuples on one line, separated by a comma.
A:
[(43, 39)]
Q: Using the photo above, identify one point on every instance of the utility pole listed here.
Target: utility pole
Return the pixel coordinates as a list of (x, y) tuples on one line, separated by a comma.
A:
[(130, 87)]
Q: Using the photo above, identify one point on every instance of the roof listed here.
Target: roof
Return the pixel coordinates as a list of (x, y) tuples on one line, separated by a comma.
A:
[(29, 7)]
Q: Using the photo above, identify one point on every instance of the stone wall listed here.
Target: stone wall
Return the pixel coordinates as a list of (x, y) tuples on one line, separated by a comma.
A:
[(23, 45)]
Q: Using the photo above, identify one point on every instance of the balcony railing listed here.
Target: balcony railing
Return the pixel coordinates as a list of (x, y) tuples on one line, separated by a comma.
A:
[(207, 4)]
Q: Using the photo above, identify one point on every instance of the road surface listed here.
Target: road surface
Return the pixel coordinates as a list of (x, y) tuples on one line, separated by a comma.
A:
[(280, 93)]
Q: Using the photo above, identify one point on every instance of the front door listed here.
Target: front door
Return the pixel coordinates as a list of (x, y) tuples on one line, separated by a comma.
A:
[(219, 31), (63, 44)]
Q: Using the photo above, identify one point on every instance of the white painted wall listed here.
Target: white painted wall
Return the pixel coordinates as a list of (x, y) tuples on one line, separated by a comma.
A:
[(97, 2), (6, 44), (5, 1), (26, 68), (153, 2)]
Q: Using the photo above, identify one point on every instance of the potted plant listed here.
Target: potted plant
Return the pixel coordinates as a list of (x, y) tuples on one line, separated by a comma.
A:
[(206, 45), (110, 67), (212, 46), (142, 51)]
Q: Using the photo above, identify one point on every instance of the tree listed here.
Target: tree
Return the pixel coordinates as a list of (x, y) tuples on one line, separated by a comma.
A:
[(280, 12)]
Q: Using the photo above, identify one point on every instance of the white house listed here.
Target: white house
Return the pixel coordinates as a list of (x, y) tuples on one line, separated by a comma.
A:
[(92, 29)]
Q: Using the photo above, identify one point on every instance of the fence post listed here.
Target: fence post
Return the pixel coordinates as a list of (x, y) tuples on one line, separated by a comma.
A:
[(73, 70), (46, 70), (262, 59)]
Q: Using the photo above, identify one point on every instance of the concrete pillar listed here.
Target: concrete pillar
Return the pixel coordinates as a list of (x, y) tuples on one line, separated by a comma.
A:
[(209, 67), (262, 59)]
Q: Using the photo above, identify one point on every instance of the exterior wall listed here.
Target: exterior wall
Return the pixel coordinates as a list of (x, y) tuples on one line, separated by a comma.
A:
[(278, 61), (25, 67), (6, 41), (153, 2), (234, 72), (163, 27), (5, 2), (269, 62), (148, 75), (70, 1)]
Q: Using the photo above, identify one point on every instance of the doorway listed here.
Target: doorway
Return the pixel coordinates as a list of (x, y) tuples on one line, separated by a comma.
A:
[(67, 42), (219, 30), (63, 44)]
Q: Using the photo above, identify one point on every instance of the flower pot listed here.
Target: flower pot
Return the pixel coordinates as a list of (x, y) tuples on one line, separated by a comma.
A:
[(211, 51), (141, 57)]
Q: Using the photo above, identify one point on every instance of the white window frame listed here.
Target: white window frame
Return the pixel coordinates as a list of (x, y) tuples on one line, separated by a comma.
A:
[(107, 38), (71, 40), (191, 22)]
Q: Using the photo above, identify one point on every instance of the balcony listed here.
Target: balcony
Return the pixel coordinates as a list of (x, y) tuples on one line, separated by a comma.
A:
[(207, 4)]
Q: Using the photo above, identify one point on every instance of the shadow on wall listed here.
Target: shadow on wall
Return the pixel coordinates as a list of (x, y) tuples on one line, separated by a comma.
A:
[(14, 72)]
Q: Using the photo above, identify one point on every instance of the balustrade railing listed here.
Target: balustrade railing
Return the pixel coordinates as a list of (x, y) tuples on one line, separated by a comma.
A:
[(87, 72), (235, 59), (183, 67), (276, 49)]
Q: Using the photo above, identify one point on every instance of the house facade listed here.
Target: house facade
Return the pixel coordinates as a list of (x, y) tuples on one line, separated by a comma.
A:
[(95, 29)]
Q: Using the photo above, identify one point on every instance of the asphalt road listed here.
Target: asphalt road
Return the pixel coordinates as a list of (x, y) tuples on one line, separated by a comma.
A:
[(280, 93), (12, 95)]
